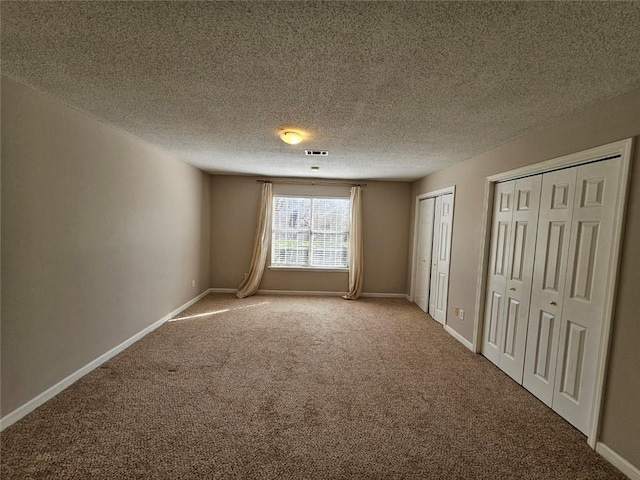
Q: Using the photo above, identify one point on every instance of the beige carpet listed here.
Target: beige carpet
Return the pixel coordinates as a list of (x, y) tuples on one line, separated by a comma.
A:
[(297, 387)]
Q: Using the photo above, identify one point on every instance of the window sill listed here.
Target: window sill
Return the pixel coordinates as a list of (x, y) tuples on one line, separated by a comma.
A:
[(310, 269)]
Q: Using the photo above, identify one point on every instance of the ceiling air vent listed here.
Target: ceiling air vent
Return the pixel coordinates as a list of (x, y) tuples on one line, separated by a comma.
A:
[(316, 153)]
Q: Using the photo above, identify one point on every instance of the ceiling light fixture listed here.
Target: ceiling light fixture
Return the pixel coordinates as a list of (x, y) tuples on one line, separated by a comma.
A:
[(291, 137)]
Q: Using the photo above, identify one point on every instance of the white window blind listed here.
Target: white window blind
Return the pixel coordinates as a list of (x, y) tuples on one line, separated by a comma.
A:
[(310, 232)]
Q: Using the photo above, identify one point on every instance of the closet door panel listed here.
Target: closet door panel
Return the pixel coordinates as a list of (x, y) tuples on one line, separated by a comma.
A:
[(524, 226), (434, 257), (498, 270), (549, 274), (585, 286), (443, 256), (544, 345), (423, 260)]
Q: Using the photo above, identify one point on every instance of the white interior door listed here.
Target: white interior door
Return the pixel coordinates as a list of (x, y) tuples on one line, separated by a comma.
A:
[(497, 276), (443, 257), (424, 247), (434, 256), (524, 226), (586, 282), (549, 274)]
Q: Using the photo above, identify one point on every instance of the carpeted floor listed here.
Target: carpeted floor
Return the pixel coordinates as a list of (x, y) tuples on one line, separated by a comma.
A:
[(274, 387)]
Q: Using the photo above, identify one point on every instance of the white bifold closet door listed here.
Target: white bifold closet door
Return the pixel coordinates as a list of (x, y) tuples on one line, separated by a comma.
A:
[(549, 278), (433, 286), (549, 268), (571, 273), (442, 256), (433, 255), (425, 249), (513, 239)]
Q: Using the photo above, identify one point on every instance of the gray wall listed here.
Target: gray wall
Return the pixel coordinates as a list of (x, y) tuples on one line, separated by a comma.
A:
[(613, 120), (386, 226), (102, 235)]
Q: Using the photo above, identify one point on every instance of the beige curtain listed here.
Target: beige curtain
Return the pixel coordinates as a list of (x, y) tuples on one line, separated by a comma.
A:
[(355, 244), (261, 247)]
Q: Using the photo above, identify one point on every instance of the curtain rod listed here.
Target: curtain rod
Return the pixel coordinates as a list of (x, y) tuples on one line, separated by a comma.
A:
[(314, 182)]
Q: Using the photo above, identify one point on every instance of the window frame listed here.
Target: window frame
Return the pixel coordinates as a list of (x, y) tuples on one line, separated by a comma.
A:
[(308, 267)]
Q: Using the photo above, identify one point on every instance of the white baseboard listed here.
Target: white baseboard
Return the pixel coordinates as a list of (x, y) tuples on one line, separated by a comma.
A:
[(222, 290), (311, 293), (51, 392), (281, 292), (459, 337), (617, 461), (301, 292), (385, 295)]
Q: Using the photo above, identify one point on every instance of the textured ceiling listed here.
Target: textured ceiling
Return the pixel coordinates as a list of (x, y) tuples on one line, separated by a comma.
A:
[(394, 90)]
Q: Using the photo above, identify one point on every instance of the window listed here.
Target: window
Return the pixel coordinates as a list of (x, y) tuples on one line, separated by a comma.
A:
[(310, 232)]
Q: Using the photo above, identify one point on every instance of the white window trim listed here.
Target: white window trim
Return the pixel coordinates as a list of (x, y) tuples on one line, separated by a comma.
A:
[(309, 268)]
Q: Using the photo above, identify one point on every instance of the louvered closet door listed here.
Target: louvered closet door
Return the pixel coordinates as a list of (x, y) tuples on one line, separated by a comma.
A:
[(443, 256), (524, 225), (549, 275), (498, 266), (583, 304)]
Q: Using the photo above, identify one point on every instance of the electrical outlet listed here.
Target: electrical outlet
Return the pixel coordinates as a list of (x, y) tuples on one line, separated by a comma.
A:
[(461, 314), (455, 311), (193, 283)]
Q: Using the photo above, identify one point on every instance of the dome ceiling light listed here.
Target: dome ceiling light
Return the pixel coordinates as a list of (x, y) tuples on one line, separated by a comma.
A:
[(292, 137)]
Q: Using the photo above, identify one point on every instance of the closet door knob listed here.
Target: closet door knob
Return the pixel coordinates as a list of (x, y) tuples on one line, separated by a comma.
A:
[(552, 303), (513, 289)]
